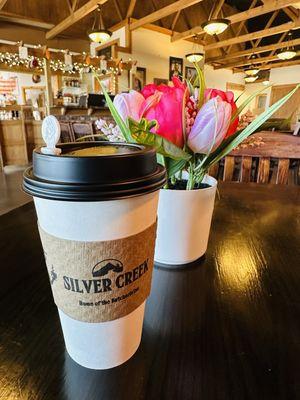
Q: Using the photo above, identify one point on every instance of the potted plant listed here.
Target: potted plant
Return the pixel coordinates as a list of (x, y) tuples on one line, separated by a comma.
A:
[(192, 128)]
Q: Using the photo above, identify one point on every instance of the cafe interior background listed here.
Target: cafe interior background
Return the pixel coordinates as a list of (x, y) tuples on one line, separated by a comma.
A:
[(47, 58), (49, 54)]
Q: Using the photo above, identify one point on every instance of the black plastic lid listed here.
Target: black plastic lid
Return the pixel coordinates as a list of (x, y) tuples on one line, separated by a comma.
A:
[(131, 171)]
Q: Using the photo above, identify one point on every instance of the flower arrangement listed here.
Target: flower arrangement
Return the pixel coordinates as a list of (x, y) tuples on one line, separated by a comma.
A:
[(191, 127)]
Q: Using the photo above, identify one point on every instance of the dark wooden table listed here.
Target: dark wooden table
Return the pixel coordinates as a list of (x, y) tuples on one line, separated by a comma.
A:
[(226, 328)]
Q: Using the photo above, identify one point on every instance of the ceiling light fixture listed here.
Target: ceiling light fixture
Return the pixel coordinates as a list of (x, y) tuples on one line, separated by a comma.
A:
[(266, 82), (286, 55), (195, 56), (289, 52), (251, 71), (99, 34), (251, 79), (216, 26)]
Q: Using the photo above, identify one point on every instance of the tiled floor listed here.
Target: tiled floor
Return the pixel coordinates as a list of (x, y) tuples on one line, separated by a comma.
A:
[(11, 194)]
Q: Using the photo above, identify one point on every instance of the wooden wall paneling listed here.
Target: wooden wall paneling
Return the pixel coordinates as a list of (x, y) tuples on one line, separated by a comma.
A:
[(33, 130), (13, 142), (291, 107)]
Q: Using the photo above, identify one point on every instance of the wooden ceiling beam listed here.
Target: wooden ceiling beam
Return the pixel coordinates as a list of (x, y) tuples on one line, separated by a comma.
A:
[(163, 12), (257, 50), (255, 35), (74, 5), (246, 62), (76, 16), (268, 25), (273, 5), (175, 20), (286, 10), (116, 4), (275, 65), (21, 20), (69, 4), (290, 13), (2, 3), (242, 25), (130, 8), (282, 37)]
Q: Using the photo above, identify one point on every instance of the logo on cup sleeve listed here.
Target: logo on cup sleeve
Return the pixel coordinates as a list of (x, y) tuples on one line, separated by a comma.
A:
[(103, 267), (53, 276), (107, 275)]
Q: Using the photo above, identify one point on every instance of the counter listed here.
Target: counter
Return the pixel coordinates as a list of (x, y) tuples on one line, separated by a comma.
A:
[(18, 137)]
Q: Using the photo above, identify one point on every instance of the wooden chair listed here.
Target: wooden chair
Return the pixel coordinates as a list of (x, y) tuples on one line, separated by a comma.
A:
[(266, 157), (81, 129), (66, 132)]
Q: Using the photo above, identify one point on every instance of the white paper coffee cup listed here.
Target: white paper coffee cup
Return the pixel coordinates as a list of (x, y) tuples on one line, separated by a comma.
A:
[(97, 345)]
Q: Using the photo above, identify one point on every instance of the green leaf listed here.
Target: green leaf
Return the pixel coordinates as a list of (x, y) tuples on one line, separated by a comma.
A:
[(190, 86), (239, 96), (116, 116), (200, 79), (160, 159), (174, 166), (247, 101), (233, 141), (141, 134)]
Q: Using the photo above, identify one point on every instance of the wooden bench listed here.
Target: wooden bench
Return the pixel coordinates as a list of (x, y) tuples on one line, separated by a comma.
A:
[(265, 157)]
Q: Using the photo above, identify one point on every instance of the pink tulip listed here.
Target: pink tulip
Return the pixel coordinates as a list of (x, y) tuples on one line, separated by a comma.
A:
[(129, 105), (168, 112), (229, 98), (210, 126), (149, 102)]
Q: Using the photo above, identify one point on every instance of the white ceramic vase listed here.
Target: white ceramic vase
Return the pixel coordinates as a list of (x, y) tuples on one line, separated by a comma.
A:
[(184, 219)]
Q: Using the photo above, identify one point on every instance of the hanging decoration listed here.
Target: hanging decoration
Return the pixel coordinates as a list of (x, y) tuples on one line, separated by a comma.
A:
[(34, 63), (36, 78), (68, 58), (23, 51), (67, 65)]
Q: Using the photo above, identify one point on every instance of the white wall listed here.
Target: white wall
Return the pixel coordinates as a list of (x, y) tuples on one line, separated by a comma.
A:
[(152, 50), (285, 76), (278, 76), (217, 78)]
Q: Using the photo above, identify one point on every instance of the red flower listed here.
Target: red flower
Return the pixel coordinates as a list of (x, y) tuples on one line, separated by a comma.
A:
[(168, 112), (229, 98)]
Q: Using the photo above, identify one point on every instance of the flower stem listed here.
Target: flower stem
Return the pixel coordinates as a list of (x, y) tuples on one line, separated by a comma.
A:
[(191, 181)]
